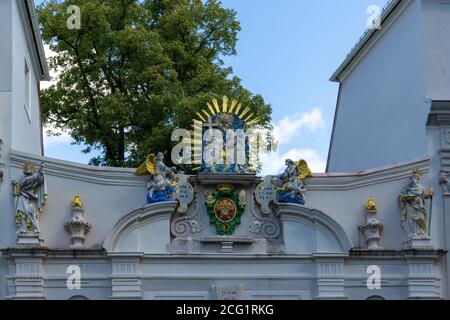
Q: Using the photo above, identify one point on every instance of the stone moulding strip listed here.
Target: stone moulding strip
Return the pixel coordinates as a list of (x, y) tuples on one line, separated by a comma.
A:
[(219, 239), (398, 254), (80, 172), (349, 181), (126, 177)]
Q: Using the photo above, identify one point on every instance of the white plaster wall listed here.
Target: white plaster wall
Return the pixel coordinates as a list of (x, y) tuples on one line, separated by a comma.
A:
[(440, 224), (104, 203), (268, 278), (15, 129), (5, 45), (436, 39), (110, 193), (6, 226), (119, 192), (381, 113), (346, 207), (26, 135)]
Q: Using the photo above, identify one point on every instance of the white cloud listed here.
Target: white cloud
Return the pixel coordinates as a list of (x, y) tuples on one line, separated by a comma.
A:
[(63, 137), (274, 163), (289, 127)]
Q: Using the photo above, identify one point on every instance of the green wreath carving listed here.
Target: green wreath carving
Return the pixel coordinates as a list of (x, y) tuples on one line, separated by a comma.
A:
[(224, 210)]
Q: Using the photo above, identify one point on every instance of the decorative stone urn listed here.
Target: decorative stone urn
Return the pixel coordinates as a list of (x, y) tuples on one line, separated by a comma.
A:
[(77, 226), (371, 227)]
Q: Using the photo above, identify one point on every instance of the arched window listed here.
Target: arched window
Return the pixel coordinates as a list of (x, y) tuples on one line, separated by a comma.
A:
[(375, 298), (78, 298)]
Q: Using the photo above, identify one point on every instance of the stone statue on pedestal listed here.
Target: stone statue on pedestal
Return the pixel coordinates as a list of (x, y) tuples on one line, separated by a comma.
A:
[(30, 193), (412, 201)]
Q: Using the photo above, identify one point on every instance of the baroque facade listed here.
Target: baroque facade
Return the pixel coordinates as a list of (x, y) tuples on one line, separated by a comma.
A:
[(72, 231)]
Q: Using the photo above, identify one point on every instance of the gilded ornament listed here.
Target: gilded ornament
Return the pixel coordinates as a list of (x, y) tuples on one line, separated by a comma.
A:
[(77, 202), (370, 204)]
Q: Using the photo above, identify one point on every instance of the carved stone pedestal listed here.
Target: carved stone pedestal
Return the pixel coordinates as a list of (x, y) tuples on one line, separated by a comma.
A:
[(227, 243), (29, 240), (27, 282), (126, 278), (330, 279), (418, 243), (77, 227), (372, 230), (422, 279)]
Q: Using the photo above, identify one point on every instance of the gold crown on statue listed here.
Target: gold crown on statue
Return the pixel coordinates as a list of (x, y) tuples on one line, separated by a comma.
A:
[(29, 166), (417, 173), (225, 187)]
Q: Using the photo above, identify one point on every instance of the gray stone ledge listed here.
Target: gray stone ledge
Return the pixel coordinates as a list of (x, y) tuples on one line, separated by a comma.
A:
[(398, 254)]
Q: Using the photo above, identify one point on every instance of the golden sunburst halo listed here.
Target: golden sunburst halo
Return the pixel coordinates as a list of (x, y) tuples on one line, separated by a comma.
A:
[(222, 108), (226, 105)]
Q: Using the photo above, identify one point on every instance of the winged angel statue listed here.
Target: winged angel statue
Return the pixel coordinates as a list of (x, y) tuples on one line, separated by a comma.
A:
[(290, 185), (162, 182)]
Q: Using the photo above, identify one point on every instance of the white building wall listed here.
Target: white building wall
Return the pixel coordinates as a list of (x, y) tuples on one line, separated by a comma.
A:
[(381, 113), (436, 39), (111, 193), (15, 129), (5, 48), (5, 127), (26, 128)]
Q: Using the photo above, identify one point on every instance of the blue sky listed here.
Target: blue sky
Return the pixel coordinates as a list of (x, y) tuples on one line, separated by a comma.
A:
[(287, 51)]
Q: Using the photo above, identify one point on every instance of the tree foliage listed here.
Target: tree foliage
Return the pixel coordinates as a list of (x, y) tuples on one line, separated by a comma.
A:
[(136, 70)]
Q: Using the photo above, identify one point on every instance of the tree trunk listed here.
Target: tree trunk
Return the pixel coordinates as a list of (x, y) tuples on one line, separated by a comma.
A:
[(121, 147)]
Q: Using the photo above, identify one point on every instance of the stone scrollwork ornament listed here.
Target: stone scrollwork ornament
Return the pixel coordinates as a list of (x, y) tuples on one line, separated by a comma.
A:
[(242, 198), (162, 183), (265, 194), (30, 193), (414, 213), (184, 193), (290, 185)]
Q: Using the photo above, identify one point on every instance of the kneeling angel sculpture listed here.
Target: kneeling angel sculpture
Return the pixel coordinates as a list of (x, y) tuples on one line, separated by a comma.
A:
[(161, 184), (290, 185)]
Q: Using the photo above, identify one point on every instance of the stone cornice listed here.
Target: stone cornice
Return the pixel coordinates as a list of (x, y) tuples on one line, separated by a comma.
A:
[(348, 181), (102, 253), (126, 177), (71, 170), (439, 113), (398, 254), (53, 253)]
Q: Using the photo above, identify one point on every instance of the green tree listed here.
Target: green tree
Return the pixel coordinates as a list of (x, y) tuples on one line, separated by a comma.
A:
[(136, 70)]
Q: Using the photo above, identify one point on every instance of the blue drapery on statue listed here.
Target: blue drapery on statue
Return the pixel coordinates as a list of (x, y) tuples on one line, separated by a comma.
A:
[(161, 195), (290, 197)]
